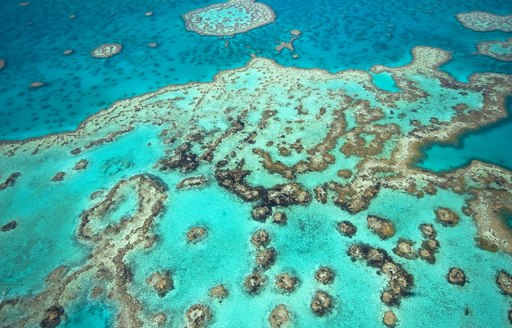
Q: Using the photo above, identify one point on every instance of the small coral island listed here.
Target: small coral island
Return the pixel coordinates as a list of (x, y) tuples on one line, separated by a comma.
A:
[(229, 18)]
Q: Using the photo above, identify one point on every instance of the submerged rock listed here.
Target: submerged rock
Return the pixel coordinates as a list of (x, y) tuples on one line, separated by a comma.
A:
[(59, 176), (9, 226), (161, 282), (346, 228), (266, 257), (159, 319), (325, 275), (320, 194), (192, 182), (10, 181), (198, 316), (456, 277), (254, 282), (389, 319), (260, 238), (218, 292), (322, 303), (280, 218), (234, 181), (504, 281), (81, 165), (383, 228), (261, 213), (428, 230), (288, 194), (427, 255), (182, 159), (447, 217), (404, 248), (52, 317), (279, 316), (286, 282), (195, 234)]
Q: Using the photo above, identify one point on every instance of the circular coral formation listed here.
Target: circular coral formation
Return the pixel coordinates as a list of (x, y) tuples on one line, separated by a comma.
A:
[(266, 257), (389, 319), (325, 275), (383, 228), (347, 228), (107, 50), (198, 316), (229, 18), (196, 234), (260, 238), (261, 213), (280, 218), (279, 316), (161, 282), (286, 282), (427, 255), (404, 248), (52, 317), (428, 230), (456, 276), (322, 303), (447, 217), (254, 282), (218, 292), (159, 319), (504, 281)]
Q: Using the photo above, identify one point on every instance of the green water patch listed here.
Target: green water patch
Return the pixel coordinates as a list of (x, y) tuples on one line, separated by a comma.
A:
[(385, 81), (489, 144)]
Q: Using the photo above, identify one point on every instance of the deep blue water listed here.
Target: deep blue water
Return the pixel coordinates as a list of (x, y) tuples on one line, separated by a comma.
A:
[(349, 35)]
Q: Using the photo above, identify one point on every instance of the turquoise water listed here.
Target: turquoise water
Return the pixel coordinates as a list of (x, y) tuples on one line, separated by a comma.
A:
[(196, 132)]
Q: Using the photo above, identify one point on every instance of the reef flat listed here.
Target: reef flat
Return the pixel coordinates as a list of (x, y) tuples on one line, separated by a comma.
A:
[(501, 50), (481, 21), (229, 18), (269, 196)]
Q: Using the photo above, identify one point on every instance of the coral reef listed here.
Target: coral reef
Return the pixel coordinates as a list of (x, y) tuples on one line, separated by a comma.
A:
[(106, 50), (322, 303), (279, 316), (382, 227), (481, 21), (229, 18)]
